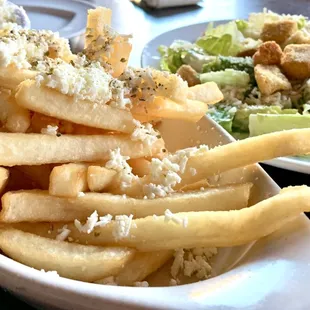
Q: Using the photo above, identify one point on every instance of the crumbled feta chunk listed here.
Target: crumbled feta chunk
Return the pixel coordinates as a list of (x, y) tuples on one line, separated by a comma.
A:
[(141, 284), (50, 130), (119, 163), (194, 261), (64, 232), (122, 226), (144, 133)]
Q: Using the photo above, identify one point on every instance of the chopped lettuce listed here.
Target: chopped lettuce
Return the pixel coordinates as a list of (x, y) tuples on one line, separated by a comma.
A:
[(227, 77), (181, 52), (266, 123), (221, 40), (242, 25), (223, 116)]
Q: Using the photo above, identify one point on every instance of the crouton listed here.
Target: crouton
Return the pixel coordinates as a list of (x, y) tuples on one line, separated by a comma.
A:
[(299, 37), (269, 53), (295, 61), (270, 79), (279, 31), (188, 74)]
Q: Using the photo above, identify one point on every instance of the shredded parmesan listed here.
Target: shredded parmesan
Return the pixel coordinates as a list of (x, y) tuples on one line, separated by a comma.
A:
[(64, 232), (192, 171), (169, 216), (92, 222), (122, 226), (52, 273), (50, 130)]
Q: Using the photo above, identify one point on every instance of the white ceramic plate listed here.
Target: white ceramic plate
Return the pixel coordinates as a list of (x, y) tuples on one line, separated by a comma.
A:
[(150, 57), (272, 273)]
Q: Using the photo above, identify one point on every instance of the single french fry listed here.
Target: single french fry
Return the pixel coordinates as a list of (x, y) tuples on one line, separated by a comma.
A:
[(207, 228), (70, 260), (38, 174), (246, 152), (99, 178), (13, 117), (141, 266), (40, 121), (11, 77), (39, 206), (53, 103), (96, 20), (161, 107), (140, 166), (38, 149), (4, 178), (68, 180), (207, 92)]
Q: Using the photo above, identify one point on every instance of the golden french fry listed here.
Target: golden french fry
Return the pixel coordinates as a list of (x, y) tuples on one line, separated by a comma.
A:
[(4, 178), (96, 20), (68, 180), (207, 92), (140, 166), (207, 228), (38, 174), (11, 77), (74, 261), (38, 206), (13, 117), (38, 149), (246, 152), (53, 103), (142, 265), (99, 178), (161, 107)]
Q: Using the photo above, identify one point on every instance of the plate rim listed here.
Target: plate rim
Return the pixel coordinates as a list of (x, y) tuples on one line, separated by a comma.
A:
[(287, 163)]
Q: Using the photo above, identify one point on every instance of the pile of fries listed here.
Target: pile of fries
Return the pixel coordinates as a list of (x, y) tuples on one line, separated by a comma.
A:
[(89, 189)]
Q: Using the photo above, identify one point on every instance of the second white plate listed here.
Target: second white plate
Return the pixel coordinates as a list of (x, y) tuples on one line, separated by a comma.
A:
[(150, 58)]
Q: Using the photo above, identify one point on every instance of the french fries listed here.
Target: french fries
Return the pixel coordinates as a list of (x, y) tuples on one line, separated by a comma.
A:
[(74, 261), (13, 117), (191, 110), (4, 178), (68, 180), (142, 265), (81, 175), (11, 77), (52, 103), (206, 228), (36, 206), (99, 178), (38, 149)]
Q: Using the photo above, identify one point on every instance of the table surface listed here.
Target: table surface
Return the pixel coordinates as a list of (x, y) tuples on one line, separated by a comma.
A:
[(146, 23)]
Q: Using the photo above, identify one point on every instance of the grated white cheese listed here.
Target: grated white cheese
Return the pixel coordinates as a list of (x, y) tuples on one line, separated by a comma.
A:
[(122, 226), (81, 194), (50, 130), (64, 232), (192, 171), (169, 216), (194, 261), (144, 133), (23, 48), (141, 284), (52, 273), (119, 163), (173, 282), (92, 222)]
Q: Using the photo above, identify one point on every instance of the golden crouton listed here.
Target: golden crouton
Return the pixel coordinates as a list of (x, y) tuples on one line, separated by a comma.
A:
[(299, 37), (188, 74), (270, 79), (279, 31), (296, 61), (269, 53)]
